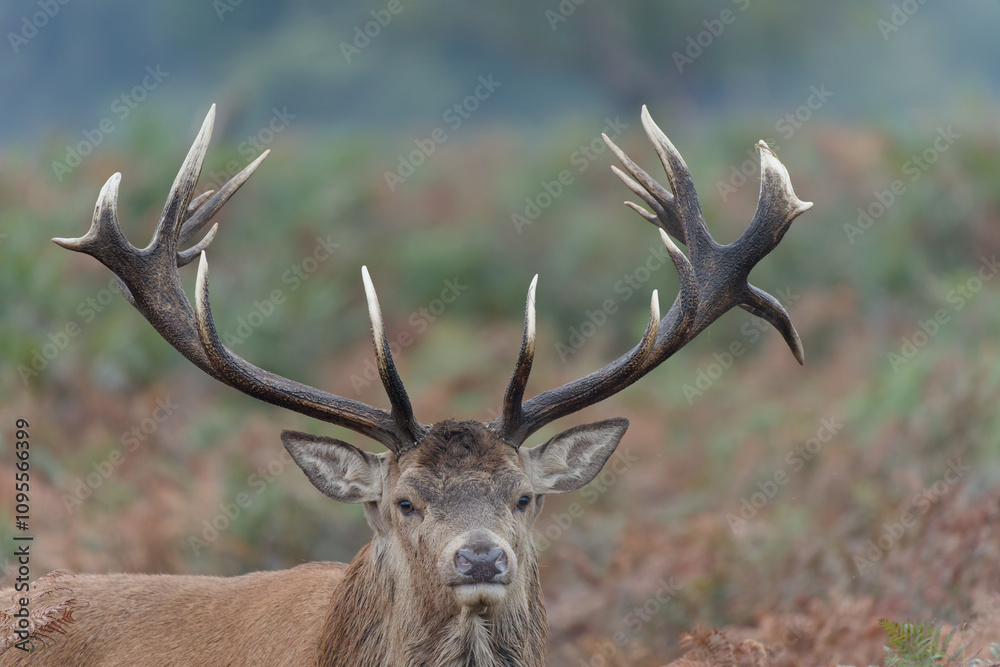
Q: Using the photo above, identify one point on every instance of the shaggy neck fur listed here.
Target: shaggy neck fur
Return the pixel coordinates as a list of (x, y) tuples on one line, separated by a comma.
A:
[(377, 618)]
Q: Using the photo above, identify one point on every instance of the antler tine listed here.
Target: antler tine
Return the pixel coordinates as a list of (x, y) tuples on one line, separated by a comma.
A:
[(185, 257), (655, 195), (105, 231), (150, 280), (197, 202), (777, 207), (712, 281), (166, 237), (766, 307), (402, 411), (685, 197), (204, 212), (687, 296), (511, 418)]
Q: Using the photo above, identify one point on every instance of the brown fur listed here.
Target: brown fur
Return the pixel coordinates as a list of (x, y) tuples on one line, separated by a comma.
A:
[(262, 618), (49, 608)]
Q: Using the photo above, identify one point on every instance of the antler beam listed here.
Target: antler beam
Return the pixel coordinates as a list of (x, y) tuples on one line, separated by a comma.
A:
[(713, 279)]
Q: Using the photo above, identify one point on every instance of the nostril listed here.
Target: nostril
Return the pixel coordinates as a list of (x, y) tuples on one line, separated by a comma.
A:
[(499, 560), (463, 562), (481, 567)]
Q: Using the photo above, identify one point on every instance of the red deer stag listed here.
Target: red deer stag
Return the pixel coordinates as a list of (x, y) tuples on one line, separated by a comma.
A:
[(450, 577)]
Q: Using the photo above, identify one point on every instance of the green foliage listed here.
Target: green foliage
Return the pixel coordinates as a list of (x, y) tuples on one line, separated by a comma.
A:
[(912, 645), (994, 657)]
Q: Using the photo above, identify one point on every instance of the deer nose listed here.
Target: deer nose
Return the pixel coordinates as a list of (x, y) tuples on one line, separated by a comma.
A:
[(482, 564)]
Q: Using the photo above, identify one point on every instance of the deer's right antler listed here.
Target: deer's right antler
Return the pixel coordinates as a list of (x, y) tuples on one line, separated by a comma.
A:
[(713, 279), (150, 281)]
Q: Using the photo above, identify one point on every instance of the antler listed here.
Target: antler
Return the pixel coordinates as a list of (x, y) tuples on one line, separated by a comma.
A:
[(713, 279), (150, 280)]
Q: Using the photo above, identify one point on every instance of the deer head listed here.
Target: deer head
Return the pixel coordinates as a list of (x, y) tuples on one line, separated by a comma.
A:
[(454, 514), (452, 504)]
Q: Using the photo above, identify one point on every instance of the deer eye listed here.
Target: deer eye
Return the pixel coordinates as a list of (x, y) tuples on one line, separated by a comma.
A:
[(522, 503), (406, 507)]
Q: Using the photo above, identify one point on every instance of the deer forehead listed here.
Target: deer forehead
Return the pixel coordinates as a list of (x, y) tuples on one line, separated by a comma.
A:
[(461, 460)]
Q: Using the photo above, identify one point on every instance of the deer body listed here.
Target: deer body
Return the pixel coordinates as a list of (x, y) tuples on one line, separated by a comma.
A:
[(138, 620), (450, 578)]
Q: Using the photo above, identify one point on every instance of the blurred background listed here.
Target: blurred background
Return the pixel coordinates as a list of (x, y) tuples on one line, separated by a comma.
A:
[(455, 150)]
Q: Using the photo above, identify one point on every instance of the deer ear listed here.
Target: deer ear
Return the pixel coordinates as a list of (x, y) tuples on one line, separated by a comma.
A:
[(574, 457), (341, 471)]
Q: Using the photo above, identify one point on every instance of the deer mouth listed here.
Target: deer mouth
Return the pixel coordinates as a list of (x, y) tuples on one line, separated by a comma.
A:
[(478, 595), (473, 585)]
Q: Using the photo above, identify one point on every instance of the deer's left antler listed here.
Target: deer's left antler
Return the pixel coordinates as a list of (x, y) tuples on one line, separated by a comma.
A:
[(713, 279)]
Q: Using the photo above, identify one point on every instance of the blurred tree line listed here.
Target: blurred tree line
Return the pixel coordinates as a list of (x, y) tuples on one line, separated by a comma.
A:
[(392, 61)]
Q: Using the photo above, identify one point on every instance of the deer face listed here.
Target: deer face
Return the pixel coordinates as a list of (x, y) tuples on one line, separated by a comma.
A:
[(454, 513)]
